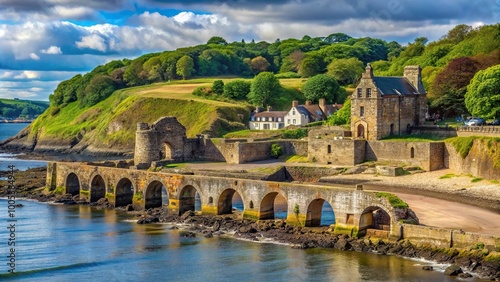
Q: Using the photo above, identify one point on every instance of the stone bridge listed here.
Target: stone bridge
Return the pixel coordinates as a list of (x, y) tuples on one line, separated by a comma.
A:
[(356, 212)]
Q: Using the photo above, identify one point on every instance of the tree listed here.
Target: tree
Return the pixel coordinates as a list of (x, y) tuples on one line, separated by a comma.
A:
[(218, 87), (217, 40), (185, 66), (98, 89), (337, 37), (292, 61), (237, 89), (342, 116), (483, 93), (449, 87), (259, 64), (346, 71), (311, 66), (264, 90), (320, 86)]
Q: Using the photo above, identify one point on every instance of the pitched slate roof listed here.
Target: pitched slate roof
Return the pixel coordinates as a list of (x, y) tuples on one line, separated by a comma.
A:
[(271, 114), (313, 111), (394, 86)]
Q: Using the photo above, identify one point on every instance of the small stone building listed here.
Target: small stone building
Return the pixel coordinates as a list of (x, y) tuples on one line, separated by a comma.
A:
[(383, 106)]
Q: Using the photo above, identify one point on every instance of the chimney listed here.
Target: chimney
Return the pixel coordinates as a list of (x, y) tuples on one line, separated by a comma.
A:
[(295, 104), (368, 72), (269, 108), (308, 103), (414, 75), (322, 104)]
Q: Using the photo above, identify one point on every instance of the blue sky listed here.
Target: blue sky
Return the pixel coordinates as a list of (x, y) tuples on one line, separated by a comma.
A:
[(43, 42)]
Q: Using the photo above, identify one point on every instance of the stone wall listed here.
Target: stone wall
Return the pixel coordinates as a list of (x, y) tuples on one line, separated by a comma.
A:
[(479, 161), (336, 151), (447, 238), (427, 155)]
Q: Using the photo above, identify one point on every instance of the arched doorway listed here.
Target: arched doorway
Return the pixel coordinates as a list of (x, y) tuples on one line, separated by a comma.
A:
[(97, 189), (375, 218), (361, 131), (319, 213), (273, 206), (167, 153), (72, 184), (189, 200), (391, 129), (124, 192), (156, 195), (229, 200)]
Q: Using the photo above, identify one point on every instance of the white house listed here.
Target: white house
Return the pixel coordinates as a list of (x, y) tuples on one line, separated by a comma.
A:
[(268, 120), (300, 115)]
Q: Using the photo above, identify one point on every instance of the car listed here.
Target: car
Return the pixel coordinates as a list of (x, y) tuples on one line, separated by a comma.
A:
[(495, 122), (475, 122)]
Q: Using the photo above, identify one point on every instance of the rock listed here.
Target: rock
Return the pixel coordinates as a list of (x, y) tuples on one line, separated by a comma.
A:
[(148, 219), (188, 234), (428, 267), (216, 226), (453, 270), (209, 235), (464, 275), (129, 207), (247, 229), (186, 215), (66, 199), (390, 170), (356, 170), (342, 244)]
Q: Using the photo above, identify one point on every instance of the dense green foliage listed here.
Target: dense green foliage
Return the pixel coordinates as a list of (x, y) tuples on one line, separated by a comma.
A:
[(342, 116), (264, 90), (237, 89), (321, 86), (346, 71), (483, 93), (276, 150), (21, 108)]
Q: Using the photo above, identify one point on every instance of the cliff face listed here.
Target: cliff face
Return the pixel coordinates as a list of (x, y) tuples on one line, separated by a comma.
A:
[(482, 160), (108, 128)]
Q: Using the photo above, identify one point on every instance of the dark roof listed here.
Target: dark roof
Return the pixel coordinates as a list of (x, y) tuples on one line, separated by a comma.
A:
[(314, 111), (394, 86), (271, 114)]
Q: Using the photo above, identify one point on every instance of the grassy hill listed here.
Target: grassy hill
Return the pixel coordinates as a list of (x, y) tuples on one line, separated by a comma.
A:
[(13, 108), (112, 122)]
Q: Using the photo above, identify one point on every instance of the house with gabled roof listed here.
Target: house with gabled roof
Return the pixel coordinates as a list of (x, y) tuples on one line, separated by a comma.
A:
[(384, 106), (300, 115)]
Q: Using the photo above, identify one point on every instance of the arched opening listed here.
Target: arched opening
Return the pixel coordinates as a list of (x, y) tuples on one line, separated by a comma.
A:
[(97, 189), (361, 131), (392, 129), (251, 204), (374, 218), (210, 200), (124, 192), (156, 195), (229, 200), (412, 152), (319, 213), (189, 200), (72, 184), (167, 152), (273, 206)]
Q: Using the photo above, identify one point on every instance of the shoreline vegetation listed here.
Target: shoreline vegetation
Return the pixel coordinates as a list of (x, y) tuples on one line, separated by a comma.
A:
[(463, 263)]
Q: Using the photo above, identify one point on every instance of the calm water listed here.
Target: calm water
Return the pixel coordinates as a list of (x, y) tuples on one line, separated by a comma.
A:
[(78, 243), (8, 130)]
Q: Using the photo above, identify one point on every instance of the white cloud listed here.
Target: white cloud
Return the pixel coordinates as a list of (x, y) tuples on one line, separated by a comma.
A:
[(34, 56), (72, 12), (28, 75), (53, 50), (92, 41)]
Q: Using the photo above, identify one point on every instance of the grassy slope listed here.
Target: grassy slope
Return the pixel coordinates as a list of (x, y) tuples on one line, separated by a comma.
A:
[(24, 102), (112, 122)]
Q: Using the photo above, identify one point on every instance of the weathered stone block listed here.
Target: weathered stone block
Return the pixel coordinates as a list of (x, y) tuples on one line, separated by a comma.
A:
[(390, 171)]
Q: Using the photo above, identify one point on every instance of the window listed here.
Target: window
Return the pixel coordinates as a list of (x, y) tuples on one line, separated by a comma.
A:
[(293, 112), (288, 121), (294, 122), (360, 92), (368, 92), (412, 152), (329, 149), (361, 111), (279, 119), (275, 125)]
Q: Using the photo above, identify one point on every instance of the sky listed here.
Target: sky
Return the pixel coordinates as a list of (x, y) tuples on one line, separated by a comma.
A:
[(43, 42)]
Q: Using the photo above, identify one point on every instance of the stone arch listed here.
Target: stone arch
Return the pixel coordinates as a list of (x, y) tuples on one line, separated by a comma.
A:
[(315, 213), (72, 184), (268, 209), (361, 128), (225, 203), (171, 135), (374, 217), (167, 151), (187, 199), (97, 188), (155, 192), (251, 204), (124, 192)]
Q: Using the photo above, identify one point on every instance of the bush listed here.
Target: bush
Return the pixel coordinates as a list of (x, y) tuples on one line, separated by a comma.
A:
[(202, 91), (276, 150), (295, 133)]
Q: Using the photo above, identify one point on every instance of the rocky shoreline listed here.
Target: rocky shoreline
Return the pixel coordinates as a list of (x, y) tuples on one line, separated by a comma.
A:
[(462, 262)]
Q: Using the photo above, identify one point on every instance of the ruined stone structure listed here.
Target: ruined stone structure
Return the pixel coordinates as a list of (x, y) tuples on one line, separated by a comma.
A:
[(383, 106), (355, 210)]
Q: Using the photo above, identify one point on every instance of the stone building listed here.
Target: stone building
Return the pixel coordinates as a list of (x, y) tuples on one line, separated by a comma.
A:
[(383, 106)]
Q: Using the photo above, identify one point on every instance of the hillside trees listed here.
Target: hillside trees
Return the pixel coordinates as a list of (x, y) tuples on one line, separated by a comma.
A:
[(483, 93), (346, 71), (264, 90), (237, 89), (321, 86), (185, 66), (66, 91), (342, 116)]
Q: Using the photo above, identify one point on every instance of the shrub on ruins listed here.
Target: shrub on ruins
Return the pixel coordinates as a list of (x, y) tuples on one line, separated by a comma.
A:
[(276, 150)]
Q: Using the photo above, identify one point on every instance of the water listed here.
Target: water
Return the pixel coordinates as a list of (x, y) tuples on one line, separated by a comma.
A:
[(8, 130), (78, 243)]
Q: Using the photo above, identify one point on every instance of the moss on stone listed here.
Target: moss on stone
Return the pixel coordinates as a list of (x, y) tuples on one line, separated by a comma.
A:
[(394, 200)]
